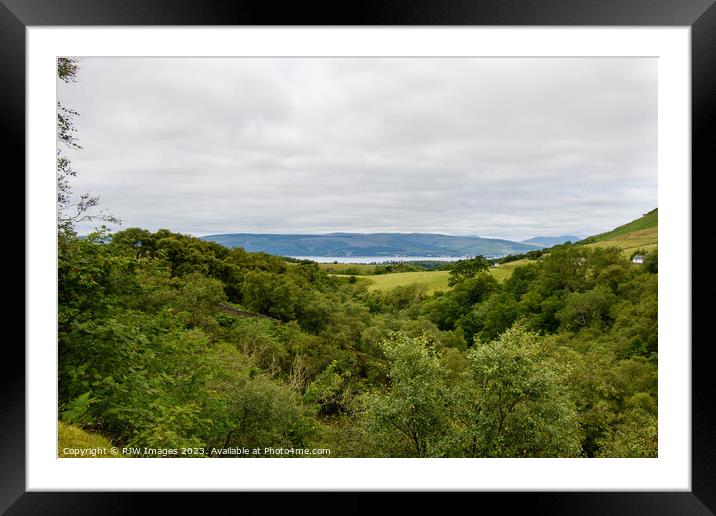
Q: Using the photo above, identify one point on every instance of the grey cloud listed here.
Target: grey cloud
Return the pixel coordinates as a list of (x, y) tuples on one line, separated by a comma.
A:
[(508, 148)]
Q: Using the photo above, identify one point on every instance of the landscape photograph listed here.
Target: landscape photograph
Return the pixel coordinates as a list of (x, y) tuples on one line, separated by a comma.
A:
[(365, 257)]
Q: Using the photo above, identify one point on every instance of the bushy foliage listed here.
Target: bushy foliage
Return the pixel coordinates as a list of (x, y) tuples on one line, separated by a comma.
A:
[(167, 341), (413, 410), (510, 399), (464, 269), (514, 400)]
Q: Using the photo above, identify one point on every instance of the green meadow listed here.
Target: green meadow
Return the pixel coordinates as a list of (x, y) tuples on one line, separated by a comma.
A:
[(433, 280), (642, 233), (645, 239)]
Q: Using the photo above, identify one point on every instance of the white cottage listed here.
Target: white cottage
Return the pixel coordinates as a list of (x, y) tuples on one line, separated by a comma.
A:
[(639, 258)]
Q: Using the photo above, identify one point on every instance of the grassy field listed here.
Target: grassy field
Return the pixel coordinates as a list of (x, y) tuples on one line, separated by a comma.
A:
[(646, 239), (504, 271), (434, 280)]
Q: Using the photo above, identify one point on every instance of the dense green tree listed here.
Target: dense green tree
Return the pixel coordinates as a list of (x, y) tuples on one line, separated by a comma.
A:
[(635, 331), (475, 289), (413, 410), (651, 262), (565, 269), (521, 279), (199, 296), (496, 314), (513, 401), (443, 309), (585, 308), (463, 269), (635, 435)]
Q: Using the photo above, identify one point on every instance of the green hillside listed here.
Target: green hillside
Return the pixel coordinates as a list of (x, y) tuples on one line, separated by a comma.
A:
[(648, 221), (644, 240), (641, 234)]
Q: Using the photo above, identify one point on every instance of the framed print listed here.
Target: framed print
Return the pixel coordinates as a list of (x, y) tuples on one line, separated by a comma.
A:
[(415, 250)]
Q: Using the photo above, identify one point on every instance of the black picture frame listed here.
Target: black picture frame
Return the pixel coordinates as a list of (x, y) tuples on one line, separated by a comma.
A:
[(16, 15)]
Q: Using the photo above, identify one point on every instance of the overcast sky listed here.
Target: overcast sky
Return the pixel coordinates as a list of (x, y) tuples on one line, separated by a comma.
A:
[(495, 147)]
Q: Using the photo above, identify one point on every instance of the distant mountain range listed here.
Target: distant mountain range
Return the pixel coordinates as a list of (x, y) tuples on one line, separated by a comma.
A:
[(381, 244)]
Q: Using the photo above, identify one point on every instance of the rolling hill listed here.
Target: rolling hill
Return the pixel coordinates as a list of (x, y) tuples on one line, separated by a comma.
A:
[(642, 233), (373, 244)]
